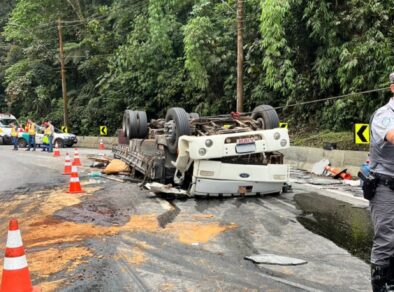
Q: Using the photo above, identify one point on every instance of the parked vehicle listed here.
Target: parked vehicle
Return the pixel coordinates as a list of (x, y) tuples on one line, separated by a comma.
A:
[(227, 155), (5, 127), (62, 139)]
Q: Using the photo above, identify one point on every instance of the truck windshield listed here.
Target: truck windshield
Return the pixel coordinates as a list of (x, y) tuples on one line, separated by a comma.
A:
[(6, 122)]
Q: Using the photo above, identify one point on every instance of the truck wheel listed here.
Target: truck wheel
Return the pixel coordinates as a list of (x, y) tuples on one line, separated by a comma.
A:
[(132, 125), (124, 123), (60, 143), (22, 143), (178, 128), (267, 116), (142, 122)]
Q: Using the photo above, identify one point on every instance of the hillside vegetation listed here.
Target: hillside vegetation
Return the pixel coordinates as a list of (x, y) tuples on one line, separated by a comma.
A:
[(158, 54)]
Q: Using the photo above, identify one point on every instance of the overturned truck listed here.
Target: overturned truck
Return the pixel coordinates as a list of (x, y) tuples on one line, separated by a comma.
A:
[(220, 156)]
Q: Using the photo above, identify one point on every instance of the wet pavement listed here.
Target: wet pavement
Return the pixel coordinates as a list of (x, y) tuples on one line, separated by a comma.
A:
[(117, 237)]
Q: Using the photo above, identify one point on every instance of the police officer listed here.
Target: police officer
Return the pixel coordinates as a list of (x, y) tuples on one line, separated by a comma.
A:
[(382, 203)]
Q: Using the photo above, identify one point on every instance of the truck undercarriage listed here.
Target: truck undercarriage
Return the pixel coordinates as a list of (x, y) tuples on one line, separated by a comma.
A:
[(230, 155)]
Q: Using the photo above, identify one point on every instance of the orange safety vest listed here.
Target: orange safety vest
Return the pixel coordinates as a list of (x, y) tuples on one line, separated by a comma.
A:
[(14, 132), (32, 129)]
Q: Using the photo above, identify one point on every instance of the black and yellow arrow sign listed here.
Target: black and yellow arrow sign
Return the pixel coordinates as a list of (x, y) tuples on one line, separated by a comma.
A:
[(361, 133), (64, 129), (284, 125), (103, 131)]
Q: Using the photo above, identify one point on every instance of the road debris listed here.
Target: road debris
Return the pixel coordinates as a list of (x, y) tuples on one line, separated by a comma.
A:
[(319, 167), (116, 166), (337, 173), (272, 259), (156, 187)]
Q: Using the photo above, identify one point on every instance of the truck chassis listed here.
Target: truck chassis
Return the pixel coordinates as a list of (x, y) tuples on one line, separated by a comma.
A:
[(222, 156)]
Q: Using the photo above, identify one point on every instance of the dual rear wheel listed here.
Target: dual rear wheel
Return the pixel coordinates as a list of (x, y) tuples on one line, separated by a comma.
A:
[(135, 124)]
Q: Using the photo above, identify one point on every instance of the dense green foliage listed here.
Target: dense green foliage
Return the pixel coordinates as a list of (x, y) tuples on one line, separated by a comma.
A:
[(157, 54)]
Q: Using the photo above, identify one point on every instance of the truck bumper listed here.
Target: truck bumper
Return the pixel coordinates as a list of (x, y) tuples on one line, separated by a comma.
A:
[(214, 178)]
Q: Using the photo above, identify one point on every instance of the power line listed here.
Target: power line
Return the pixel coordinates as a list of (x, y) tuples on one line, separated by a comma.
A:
[(333, 97)]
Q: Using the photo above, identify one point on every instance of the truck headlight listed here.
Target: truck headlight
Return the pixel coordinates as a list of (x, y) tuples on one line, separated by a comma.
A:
[(283, 142), (208, 142), (277, 136), (202, 151)]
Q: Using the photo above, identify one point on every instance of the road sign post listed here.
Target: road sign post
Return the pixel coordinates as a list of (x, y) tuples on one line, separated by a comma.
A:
[(361, 134), (64, 129), (284, 125), (103, 131)]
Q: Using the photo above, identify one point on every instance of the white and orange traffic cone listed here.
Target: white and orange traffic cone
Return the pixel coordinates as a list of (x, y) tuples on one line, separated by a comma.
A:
[(67, 164), (76, 161), (101, 145), (56, 153), (16, 275), (75, 185)]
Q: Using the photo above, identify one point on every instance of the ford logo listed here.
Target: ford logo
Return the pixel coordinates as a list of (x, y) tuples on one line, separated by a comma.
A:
[(244, 175)]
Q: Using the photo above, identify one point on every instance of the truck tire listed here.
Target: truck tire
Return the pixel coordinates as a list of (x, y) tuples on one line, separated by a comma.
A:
[(22, 143), (60, 143), (181, 122), (124, 123), (132, 125), (142, 122), (267, 115)]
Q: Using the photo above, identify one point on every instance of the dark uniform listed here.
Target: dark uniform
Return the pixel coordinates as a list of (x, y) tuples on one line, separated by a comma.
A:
[(382, 204)]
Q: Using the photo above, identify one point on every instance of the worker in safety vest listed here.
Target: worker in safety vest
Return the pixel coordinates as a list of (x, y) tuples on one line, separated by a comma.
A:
[(46, 138), (14, 136), (32, 135)]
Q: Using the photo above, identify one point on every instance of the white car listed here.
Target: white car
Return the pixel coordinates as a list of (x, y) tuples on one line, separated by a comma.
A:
[(62, 139), (5, 128)]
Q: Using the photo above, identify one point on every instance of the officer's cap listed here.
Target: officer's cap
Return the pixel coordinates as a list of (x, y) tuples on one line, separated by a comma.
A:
[(391, 77)]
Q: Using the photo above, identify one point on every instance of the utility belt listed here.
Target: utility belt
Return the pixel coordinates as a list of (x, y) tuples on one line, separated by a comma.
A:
[(371, 182), (385, 180)]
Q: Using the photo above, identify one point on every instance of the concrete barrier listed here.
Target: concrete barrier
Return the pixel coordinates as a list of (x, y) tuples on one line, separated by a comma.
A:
[(306, 157), (93, 142)]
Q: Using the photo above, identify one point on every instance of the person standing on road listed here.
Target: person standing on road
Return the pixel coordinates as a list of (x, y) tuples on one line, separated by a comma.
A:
[(14, 136), (32, 135), (46, 138), (51, 134), (382, 201)]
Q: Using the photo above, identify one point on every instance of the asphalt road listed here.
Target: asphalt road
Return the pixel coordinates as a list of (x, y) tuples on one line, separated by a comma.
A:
[(117, 237)]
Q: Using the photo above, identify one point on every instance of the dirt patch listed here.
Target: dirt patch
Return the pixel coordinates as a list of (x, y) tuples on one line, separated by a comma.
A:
[(51, 286), (203, 216), (67, 259), (51, 261), (197, 232), (167, 287), (137, 256)]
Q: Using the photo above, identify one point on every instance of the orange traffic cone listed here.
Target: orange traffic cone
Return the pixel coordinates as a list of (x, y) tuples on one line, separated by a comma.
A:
[(101, 146), (75, 185), (67, 165), (56, 153), (338, 173), (16, 275), (77, 161)]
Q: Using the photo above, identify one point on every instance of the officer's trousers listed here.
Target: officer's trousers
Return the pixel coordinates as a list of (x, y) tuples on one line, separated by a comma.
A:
[(382, 213)]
